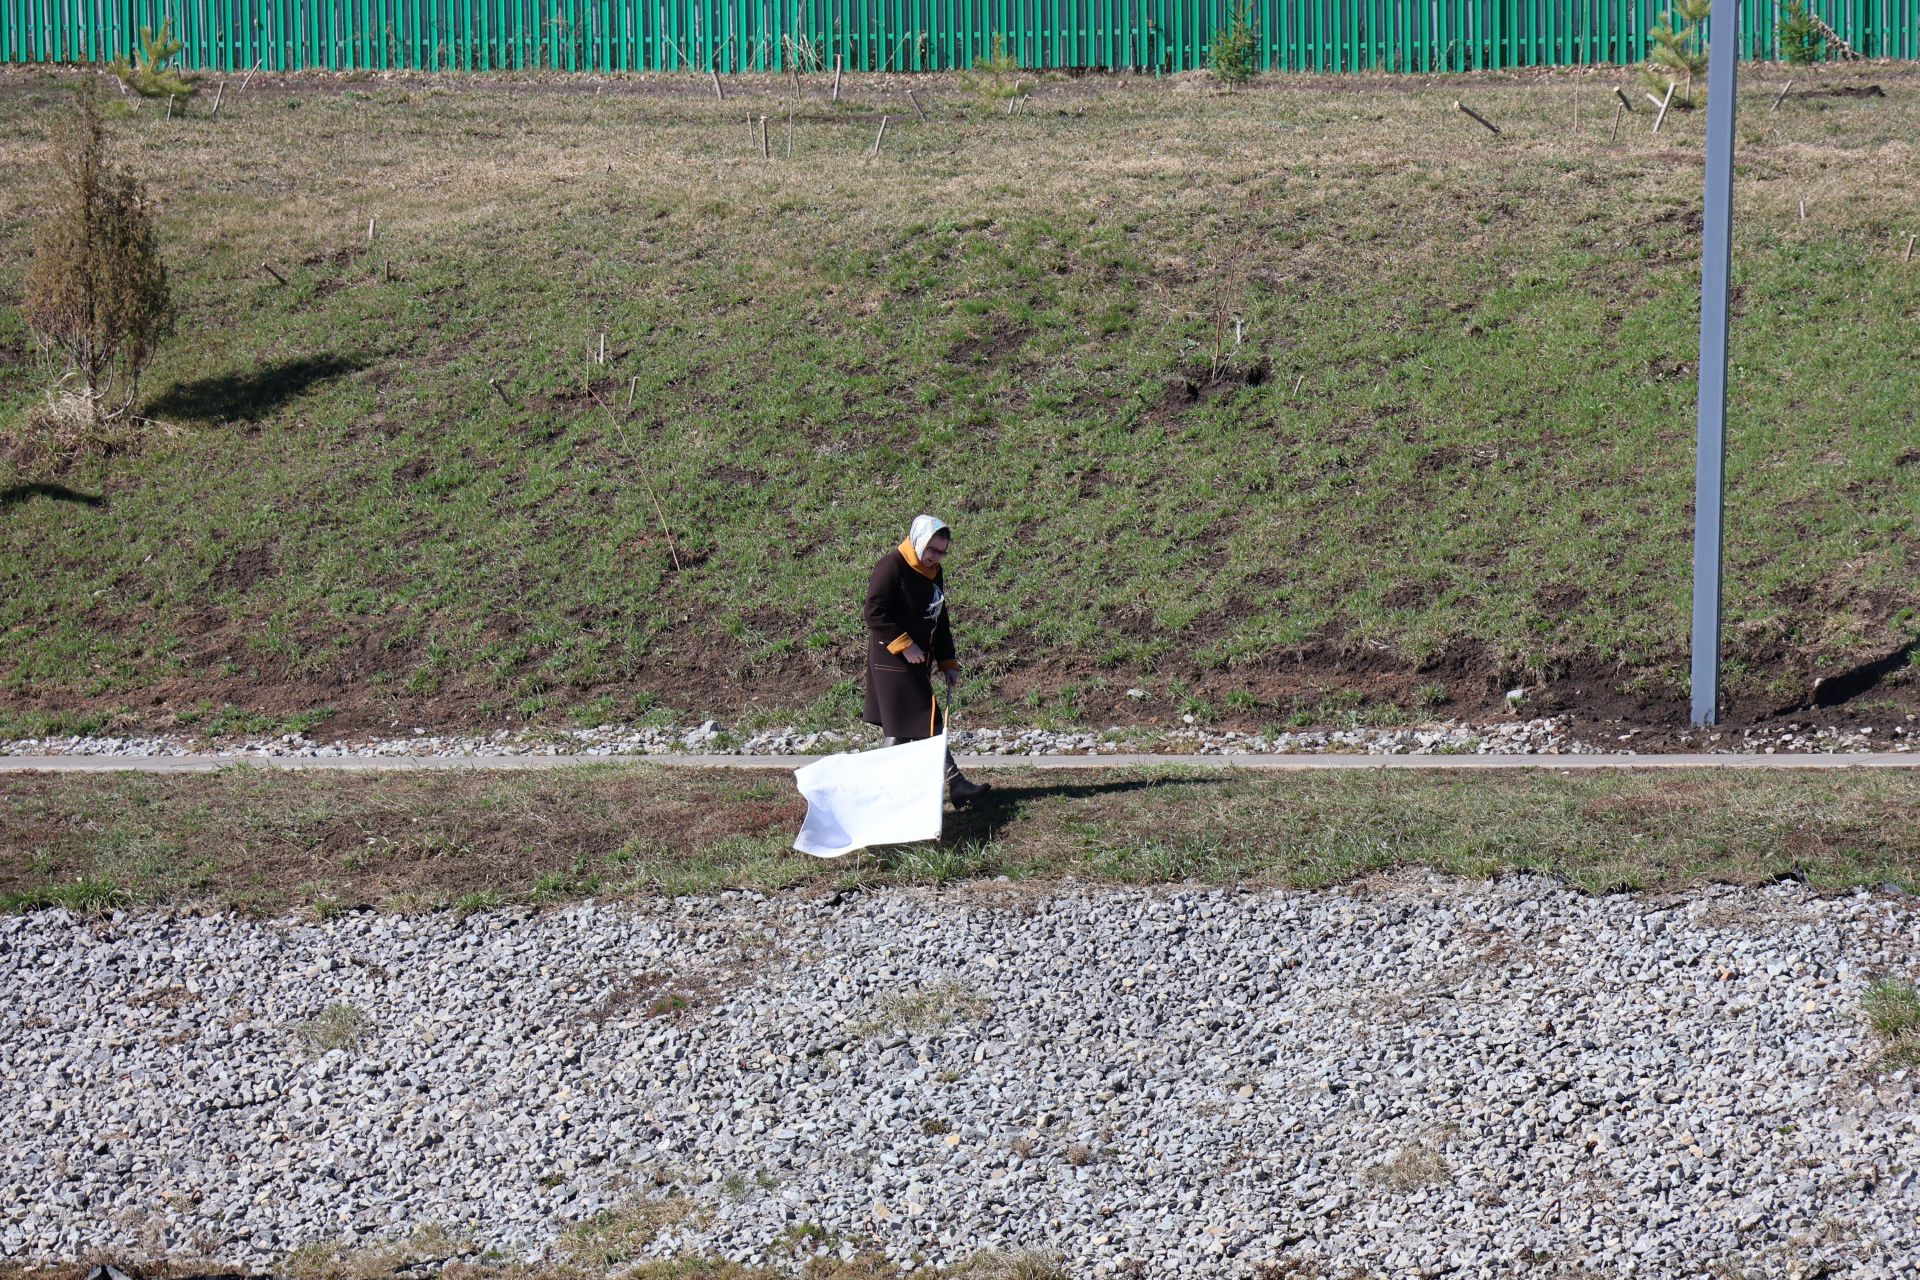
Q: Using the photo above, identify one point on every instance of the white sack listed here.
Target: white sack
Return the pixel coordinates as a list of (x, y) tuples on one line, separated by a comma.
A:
[(891, 796)]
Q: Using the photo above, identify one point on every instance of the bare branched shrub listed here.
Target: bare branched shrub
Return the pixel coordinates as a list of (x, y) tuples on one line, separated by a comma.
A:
[(96, 294)]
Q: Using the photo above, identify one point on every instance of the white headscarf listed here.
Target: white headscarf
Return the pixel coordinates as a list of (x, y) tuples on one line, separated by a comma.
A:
[(924, 527)]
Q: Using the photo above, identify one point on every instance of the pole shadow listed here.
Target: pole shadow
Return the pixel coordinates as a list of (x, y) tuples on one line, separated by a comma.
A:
[(1837, 690)]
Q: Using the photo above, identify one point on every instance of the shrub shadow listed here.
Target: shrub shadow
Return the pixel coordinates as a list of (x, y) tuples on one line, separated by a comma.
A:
[(56, 492), (250, 396)]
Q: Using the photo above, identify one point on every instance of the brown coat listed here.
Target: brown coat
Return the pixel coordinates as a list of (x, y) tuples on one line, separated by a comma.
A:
[(906, 605)]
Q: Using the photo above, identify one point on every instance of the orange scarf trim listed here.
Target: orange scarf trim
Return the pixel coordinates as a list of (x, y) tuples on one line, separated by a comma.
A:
[(913, 561)]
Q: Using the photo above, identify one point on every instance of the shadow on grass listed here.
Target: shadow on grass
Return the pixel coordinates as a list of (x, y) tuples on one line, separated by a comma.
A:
[(251, 396), (969, 847), (56, 492), (987, 818)]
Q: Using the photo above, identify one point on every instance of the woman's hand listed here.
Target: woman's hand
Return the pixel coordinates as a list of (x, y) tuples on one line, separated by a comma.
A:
[(953, 677), (915, 654)]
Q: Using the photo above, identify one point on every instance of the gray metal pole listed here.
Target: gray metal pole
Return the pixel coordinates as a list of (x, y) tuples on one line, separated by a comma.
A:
[(1709, 476)]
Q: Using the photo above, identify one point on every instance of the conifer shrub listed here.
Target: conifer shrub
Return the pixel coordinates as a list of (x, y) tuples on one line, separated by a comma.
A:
[(95, 296), (146, 70), (1234, 55), (1679, 56)]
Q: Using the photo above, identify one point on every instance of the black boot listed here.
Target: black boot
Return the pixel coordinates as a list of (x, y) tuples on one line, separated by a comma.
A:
[(959, 789)]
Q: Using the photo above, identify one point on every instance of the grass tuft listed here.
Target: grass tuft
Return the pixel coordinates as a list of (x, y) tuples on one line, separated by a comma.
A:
[(930, 1009), (428, 1246), (1892, 1006), (338, 1026), (617, 1236), (1410, 1169)]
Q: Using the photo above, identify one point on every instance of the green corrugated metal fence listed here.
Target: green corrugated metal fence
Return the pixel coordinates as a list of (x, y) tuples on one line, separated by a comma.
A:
[(893, 35)]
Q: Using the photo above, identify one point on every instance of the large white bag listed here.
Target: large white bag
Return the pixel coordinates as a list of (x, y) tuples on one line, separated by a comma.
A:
[(894, 795)]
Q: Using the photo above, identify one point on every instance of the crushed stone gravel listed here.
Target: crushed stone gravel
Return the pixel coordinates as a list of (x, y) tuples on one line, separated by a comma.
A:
[(1415, 1075), (1546, 735)]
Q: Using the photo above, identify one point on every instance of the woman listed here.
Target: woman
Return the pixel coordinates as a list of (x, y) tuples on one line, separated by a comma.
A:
[(907, 636)]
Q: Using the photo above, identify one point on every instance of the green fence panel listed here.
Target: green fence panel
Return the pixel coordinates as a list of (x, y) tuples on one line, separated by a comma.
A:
[(779, 36)]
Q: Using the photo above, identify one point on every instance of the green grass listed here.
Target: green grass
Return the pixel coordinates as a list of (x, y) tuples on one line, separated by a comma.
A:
[(1892, 1006), (261, 841), (1471, 449)]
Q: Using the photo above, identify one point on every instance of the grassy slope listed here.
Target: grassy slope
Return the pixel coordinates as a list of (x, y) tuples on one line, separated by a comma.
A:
[(1472, 450), (266, 841)]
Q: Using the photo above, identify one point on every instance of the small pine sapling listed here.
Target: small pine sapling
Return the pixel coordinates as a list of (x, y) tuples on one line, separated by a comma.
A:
[(1679, 54), (145, 70), (1799, 35), (1234, 55), (996, 76)]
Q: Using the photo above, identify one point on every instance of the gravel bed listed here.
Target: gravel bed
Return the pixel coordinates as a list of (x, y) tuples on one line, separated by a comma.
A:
[(1415, 1075), (1547, 735)]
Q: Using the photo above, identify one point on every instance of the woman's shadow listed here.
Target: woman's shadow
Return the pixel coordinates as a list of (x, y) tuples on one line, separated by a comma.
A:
[(984, 820)]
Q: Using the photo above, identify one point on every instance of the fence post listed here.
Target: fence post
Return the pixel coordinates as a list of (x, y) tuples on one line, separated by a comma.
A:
[(1709, 486)]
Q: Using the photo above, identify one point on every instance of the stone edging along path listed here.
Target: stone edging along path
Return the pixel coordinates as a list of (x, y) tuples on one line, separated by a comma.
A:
[(1256, 763)]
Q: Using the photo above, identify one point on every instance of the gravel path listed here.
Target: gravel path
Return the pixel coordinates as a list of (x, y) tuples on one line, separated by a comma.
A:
[(1415, 1075), (1543, 735), (1295, 763)]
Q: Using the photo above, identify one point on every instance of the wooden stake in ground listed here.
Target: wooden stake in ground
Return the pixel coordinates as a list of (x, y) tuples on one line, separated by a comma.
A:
[(1618, 107), (874, 150), (497, 391), (248, 78), (719, 94), (836, 78), (1623, 98), (268, 268), (917, 108), (1803, 211), (1576, 108), (218, 94), (1908, 255), (370, 225), (789, 130), (1467, 110), (1780, 97), (658, 510), (766, 148), (1664, 104)]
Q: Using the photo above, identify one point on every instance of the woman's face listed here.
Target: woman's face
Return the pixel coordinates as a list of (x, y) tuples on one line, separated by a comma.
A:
[(936, 550)]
